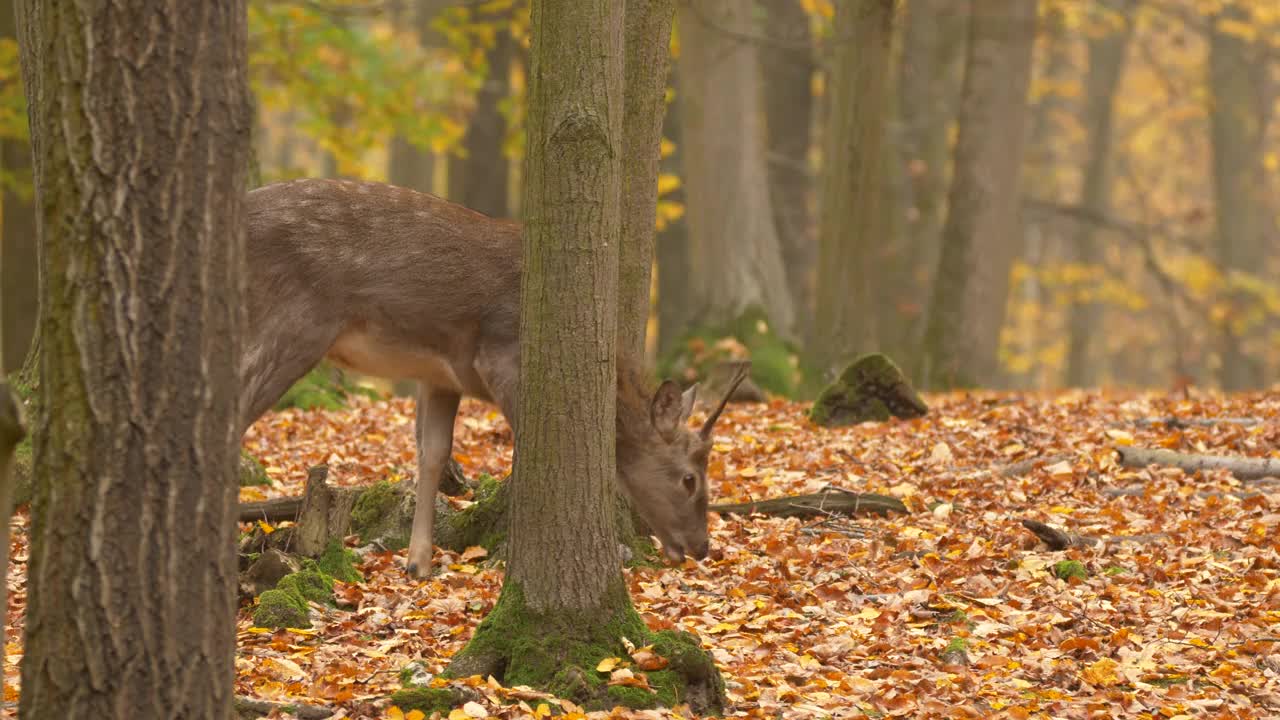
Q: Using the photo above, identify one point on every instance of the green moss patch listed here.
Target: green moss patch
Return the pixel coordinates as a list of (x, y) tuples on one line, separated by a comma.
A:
[(281, 609), (1067, 569), (21, 473), (559, 653), (251, 471), (339, 563), (426, 700), (483, 523), (324, 388), (775, 365), (377, 517), (871, 389)]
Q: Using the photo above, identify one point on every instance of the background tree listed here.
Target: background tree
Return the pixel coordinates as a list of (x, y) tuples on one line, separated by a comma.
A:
[(1240, 97), (18, 234), (140, 331), (408, 164), (850, 231), (967, 309), (1106, 57), (736, 258), (787, 66), (479, 175)]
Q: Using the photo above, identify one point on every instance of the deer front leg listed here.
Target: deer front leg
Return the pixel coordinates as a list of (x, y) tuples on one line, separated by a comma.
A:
[(436, 411)]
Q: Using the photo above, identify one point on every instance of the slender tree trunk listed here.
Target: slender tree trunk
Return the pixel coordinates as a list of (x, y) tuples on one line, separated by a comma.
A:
[(1106, 64), (648, 37), (929, 75), (675, 293), (17, 238), (409, 165), (1236, 83), (143, 130), (736, 257), (479, 179), (851, 217), (788, 67), (978, 239)]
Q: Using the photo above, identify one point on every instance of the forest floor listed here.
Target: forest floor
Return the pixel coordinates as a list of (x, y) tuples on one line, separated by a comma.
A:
[(953, 610)]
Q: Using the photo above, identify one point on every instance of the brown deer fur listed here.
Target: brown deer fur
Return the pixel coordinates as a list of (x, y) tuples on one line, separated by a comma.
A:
[(399, 284)]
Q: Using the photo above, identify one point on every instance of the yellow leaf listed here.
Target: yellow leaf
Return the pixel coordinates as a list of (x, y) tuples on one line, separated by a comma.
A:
[(415, 715), (608, 664), (266, 528)]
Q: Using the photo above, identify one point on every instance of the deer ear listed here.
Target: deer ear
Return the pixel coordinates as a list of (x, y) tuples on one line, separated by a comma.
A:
[(687, 400), (666, 410)]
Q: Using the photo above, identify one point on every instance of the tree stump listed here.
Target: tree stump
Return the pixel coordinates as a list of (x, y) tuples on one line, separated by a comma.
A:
[(871, 389)]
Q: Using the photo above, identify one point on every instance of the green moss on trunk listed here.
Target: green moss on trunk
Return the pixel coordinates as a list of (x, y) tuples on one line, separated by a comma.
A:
[(378, 516), (251, 471), (559, 653)]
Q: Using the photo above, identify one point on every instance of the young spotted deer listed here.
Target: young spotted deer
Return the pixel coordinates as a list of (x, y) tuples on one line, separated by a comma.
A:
[(399, 284)]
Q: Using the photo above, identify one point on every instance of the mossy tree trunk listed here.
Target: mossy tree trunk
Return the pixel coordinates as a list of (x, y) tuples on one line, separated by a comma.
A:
[(1239, 105), (736, 258), (850, 227), (1106, 63), (978, 239), (143, 131), (647, 37), (564, 604)]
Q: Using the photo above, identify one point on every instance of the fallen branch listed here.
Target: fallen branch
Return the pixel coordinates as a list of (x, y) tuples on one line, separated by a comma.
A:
[(249, 708), (830, 502), (1059, 539), (1174, 421), (1244, 468), (1141, 490)]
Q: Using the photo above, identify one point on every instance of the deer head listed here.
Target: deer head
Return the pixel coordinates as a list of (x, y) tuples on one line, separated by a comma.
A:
[(662, 463)]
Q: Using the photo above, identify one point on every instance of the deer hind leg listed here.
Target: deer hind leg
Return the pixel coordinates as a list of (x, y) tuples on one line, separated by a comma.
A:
[(437, 409), (277, 353)]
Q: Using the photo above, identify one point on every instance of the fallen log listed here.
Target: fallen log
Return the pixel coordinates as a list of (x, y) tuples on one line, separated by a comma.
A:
[(830, 502), (1244, 468), (1141, 490), (1173, 421), (249, 709), (1059, 539)]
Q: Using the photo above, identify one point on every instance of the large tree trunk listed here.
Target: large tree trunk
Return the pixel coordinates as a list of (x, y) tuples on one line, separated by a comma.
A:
[(736, 257), (479, 178), (1106, 63), (851, 218), (929, 76), (648, 36), (143, 130), (978, 239), (787, 65), (1238, 100)]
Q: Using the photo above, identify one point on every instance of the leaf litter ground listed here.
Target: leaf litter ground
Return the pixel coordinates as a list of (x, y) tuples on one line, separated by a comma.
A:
[(950, 611)]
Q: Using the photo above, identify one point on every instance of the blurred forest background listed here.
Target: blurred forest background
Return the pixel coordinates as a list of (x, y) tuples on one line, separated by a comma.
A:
[(1007, 193)]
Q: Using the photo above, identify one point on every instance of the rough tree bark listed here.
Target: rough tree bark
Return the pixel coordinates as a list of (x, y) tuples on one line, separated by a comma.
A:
[(850, 221), (787, 66), (736, 259), (1106, 64), (971, 286), (648, 37), (143, 132), (478, 179), (1238, 104)]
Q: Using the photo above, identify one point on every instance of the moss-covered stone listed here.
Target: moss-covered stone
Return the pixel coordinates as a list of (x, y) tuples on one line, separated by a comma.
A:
[(383, 514), (871, 389), (426, 700), (339, 563), (482, 523), (281, 609), (324, 388), (560, 653), (308, 585), (775, 365), (251, 471), (1067, 569)]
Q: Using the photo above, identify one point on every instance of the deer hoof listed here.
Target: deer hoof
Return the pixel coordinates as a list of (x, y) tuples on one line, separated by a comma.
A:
[(417, 571)]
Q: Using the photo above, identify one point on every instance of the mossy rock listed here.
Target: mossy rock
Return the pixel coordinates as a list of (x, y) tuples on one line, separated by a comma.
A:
[(310, 585), (281, 609), (775, 364), (324, 388), (482, 523), (559, 653), (383, 514), (339, 563), (427, 700), (871, 389), (251, 471)]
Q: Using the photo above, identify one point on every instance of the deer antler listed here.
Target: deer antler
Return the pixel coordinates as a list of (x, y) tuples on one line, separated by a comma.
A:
[(744, 368)]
